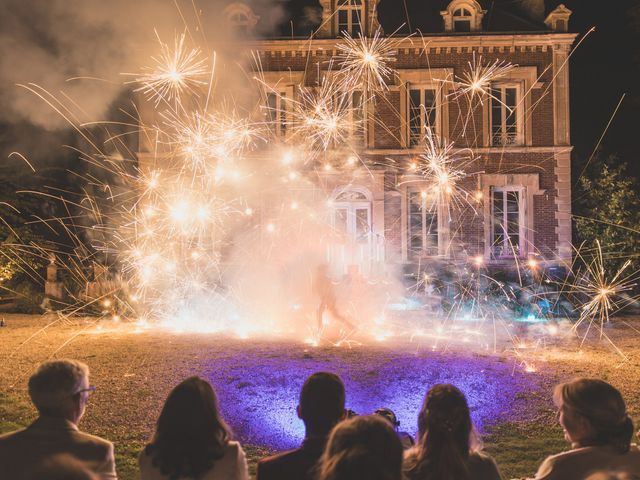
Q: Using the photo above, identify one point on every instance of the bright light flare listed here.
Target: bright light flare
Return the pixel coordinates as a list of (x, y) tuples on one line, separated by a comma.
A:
[(365, 62), (475, 82), (177, 71)]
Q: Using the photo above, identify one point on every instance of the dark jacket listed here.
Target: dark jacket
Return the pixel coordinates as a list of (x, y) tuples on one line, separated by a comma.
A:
[(298, 464)]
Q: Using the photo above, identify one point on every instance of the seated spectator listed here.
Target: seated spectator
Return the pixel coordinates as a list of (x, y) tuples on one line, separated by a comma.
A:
[(321, 407), (362, 448), (406, 439), (60, 391), (613, 476), (192, 440), (60, 467), (595, 421), (447, 445)]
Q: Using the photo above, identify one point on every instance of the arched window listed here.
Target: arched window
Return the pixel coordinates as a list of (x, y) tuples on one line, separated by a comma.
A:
[(462, 20), (240, 17), (463, 16), (352, 229)]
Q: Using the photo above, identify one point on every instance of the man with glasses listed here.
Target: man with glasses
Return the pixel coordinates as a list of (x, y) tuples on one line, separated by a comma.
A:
[(60, 391)]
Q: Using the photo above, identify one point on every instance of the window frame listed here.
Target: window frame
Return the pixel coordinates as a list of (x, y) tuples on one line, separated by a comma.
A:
[(352, 9), (358, 131), (279, 82), (279, 126), (413, 184), (506, 244), (426, 221), (351, 242), (438, 112), (455, 13), (519, 137), (462, 14)]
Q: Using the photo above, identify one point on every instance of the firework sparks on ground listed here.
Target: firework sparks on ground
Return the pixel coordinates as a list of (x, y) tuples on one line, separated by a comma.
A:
[(169, 239), (602, 292)]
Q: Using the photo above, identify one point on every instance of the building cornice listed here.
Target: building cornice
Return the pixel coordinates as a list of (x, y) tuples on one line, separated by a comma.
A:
[(441, 42), (481, 150)]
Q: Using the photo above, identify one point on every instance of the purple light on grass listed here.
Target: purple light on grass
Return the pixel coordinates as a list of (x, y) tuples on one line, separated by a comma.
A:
[(259, 393)]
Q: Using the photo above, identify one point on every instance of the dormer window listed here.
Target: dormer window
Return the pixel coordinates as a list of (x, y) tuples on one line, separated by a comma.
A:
[(355, 17), (240, 17), (463, 16), (558, 20), (350, 17), (462, 20)]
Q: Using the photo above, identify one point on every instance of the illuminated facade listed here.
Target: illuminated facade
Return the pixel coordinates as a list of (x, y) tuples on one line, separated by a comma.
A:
[(517, 191)]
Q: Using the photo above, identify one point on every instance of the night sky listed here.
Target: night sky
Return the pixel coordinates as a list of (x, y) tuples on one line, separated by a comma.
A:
[(603, 68)]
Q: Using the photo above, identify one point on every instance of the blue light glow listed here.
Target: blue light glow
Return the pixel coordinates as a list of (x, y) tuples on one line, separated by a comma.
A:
[(259, 391)]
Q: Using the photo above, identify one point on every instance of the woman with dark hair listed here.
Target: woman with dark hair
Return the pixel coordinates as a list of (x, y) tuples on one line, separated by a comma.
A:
[(447, 445), (594, 418), (192, 441), (362, 448)]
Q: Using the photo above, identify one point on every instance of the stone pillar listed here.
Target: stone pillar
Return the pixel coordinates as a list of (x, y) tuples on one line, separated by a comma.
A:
[(563, 206), (561, 94), (52, 287)]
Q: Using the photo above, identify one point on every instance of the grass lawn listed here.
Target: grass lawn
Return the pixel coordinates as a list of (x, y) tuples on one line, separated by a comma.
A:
[(258, 380)]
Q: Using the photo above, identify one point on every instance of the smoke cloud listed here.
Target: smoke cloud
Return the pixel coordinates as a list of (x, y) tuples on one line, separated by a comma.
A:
[(78, 49)]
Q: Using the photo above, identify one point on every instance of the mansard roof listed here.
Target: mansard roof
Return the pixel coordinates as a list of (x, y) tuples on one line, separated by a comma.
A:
[(299, 18)]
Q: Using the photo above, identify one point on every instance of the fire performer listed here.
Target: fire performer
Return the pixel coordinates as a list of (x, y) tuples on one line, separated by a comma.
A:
[(323, 287)]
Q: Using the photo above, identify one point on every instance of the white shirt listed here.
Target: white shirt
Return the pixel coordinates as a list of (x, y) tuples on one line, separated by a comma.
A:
[(581, 462), (232, 466)]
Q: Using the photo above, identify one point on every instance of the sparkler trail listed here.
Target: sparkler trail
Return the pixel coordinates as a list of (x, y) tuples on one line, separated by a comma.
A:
[(602, 292), (178, 71), (365, 62), (223, 183)]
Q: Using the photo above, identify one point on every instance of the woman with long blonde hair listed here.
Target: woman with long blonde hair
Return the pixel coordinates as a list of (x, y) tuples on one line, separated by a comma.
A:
[(447, 446)]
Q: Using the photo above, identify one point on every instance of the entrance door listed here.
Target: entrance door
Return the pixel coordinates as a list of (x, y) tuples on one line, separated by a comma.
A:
[(352, 227)]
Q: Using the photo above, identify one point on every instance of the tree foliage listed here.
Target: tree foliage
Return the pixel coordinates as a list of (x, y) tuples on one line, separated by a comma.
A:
[(607, 208)]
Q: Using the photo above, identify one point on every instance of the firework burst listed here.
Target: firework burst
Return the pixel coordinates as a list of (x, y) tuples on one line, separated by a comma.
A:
[(323, 117), (443, 168), (177, 71), (365, 62), (602, 292), (475, 82)]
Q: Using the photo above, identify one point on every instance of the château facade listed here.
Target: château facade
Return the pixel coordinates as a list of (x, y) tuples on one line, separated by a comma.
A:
[(515, 201)]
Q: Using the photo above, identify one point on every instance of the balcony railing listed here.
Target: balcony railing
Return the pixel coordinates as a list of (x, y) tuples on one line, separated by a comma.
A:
[(504, 139)]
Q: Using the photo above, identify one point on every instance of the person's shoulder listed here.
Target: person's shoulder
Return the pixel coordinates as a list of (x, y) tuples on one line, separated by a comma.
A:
[(11, 441), (233, 449), (279, 461), (571, 455), (280, 457), (9, 436), (233, 446), (481, 458), (483, 465), (554, 466), (144, 458), (94, 441)]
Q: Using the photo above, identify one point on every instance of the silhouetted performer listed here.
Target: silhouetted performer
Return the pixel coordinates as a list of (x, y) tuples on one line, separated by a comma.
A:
[(323, 287)]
